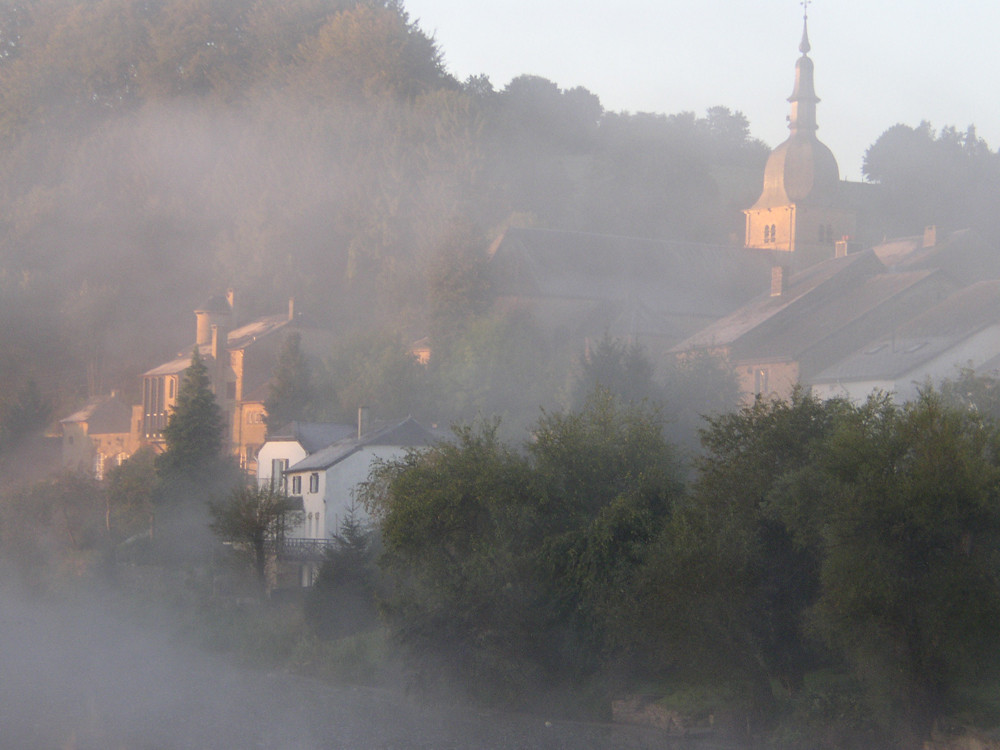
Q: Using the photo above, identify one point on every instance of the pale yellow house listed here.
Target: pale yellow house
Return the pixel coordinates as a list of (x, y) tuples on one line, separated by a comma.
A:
[(240, 358), (98, 436)]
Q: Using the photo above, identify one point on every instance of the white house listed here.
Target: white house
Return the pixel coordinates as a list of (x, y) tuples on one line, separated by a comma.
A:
[(293, 443), (321, 482)]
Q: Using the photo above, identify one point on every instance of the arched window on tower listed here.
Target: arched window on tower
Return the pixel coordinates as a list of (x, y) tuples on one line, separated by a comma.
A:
[(774, 233), (767, 234)]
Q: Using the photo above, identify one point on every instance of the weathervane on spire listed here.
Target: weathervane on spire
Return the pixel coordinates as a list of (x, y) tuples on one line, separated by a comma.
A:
[(804, 45)]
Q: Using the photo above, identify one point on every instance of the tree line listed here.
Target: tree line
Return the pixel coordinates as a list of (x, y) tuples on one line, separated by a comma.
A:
[(829, 571)]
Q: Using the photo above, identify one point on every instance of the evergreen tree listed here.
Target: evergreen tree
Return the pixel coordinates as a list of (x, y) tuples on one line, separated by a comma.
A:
[(343, 599), (290, 392), (194, 434)]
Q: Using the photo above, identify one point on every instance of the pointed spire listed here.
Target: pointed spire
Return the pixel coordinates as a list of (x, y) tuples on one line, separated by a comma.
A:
[(804, 44), (803, 98)]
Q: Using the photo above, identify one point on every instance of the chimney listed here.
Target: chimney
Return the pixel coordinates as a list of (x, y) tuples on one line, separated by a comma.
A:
[(291, 309), (779, 282), (220, 359), (216, 343), (364, 417), (234, 318), (930, 236)]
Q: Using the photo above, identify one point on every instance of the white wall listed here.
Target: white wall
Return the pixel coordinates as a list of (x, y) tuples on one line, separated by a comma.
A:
[(335, 494), (291, 450)]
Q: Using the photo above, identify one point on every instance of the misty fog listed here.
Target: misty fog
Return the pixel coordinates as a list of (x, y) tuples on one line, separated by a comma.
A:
[(711, 472)]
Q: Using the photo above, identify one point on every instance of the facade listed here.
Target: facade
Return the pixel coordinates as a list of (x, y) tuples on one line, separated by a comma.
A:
[(98, 436), (293, 443), (239, 358)]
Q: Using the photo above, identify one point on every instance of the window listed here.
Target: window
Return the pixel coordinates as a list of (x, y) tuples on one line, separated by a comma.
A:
[(767, 234), (278, 468), (314, 483), (172, 383), (297, 485), (760, 381)]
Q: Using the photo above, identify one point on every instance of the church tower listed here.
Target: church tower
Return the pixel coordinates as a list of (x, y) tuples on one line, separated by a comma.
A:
[(801, 210)]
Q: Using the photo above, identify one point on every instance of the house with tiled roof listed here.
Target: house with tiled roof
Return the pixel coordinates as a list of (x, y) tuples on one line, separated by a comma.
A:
[(240, 357)]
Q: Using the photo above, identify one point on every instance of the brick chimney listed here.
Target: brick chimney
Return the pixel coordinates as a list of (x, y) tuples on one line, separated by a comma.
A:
[(930, 236), (779, 280), (364, 420)]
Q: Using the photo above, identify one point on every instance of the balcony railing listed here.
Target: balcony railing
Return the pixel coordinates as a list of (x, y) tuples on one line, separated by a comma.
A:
[(302, 550)]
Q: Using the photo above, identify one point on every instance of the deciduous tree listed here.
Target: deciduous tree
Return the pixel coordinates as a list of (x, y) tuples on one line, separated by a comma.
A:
[(254, 520)]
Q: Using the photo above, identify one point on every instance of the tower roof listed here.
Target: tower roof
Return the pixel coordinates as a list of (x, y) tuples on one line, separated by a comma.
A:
[(802, 169)]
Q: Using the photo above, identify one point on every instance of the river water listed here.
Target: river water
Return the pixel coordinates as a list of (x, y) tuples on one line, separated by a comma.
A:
[(75, 677)]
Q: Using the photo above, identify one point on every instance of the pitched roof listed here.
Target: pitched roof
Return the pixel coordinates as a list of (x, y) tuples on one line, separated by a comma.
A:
[(103, 415), (836, 274), (238, 338), (925, 337), (962, 254), (313, 436), (405, 434), (664, 278)]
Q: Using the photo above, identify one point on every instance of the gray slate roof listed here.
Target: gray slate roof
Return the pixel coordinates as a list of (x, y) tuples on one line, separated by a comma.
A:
[(647, 281), (925, 337), (406, 434), (314, 435)]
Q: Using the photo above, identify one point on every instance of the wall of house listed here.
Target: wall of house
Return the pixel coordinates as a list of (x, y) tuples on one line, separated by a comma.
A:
[(249, 433), (290, 450), (77, 447), (854, 391), (767, 378), (971, 352), (94, 453), (329, 504)]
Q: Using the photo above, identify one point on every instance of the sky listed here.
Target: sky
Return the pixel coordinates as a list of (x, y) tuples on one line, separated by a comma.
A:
[(877, 62)]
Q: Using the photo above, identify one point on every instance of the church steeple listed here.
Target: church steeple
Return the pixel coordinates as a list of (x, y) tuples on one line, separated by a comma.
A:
[(803, 99), (800, 210)]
